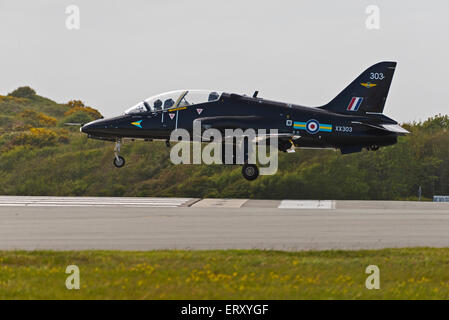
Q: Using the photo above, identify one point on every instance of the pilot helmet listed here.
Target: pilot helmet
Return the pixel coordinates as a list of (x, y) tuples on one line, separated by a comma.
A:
[(158, 104), (213, 96)]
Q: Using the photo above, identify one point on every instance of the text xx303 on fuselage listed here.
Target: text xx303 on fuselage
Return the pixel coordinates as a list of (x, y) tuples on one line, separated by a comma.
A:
[(353, 120)]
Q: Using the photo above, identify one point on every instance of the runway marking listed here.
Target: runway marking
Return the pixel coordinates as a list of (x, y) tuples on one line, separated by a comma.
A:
[(12, 201), (220, 203), (307, 204)]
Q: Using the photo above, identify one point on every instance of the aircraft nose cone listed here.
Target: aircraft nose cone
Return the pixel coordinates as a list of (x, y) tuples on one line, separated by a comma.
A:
[(99, 128), (85, 128), (92, 127)]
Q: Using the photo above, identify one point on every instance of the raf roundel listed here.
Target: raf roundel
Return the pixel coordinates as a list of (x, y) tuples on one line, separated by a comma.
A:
[(312, 126)]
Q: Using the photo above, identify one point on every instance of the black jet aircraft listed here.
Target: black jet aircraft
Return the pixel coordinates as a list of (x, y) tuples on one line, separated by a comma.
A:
[(353, 120)]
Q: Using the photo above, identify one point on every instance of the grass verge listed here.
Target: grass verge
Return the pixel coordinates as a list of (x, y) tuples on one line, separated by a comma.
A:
[(414, 273)]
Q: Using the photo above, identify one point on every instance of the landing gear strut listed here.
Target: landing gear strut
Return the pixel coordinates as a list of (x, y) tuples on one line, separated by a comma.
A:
[(119, 161), (249, 171), (167, 143)]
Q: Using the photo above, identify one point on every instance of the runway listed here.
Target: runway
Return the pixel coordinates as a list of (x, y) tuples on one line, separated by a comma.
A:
[(30, 223)]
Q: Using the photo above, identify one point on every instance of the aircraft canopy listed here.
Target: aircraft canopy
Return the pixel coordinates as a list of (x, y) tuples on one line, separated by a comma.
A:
[(174, 99)]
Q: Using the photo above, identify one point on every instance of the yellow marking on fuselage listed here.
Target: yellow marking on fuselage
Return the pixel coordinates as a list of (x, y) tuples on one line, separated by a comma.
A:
[(176, 109)]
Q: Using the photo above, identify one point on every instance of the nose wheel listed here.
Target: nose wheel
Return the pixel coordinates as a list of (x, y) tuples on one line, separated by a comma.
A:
[(119, 161), (250, 172)]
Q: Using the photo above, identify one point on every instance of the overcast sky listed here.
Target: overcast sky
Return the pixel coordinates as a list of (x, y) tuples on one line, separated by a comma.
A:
[(302, 52)]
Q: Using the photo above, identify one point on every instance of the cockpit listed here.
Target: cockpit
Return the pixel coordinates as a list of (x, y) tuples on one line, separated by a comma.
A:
[(174, 99)]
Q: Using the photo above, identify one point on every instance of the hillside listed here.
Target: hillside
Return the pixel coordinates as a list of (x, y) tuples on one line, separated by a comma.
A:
[(41, 156)]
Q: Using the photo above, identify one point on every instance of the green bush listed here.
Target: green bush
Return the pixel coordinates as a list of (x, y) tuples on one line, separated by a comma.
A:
[(78, 117), (23, 92)]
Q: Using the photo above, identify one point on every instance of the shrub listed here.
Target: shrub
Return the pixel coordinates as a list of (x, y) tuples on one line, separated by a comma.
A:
[(39, 137), (78, 106), (23, 92), (78, 117), (436, 122), (37, 119), (46, 121)]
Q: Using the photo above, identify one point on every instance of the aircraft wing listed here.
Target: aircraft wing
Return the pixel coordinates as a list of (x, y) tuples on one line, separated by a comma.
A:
[(263, 137), (242, 122)]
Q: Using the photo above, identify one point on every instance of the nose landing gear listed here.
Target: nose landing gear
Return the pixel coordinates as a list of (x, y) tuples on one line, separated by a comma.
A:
[(119, 161)]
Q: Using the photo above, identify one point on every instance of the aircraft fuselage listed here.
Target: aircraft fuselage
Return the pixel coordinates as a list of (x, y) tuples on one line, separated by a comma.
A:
[(234, 111)]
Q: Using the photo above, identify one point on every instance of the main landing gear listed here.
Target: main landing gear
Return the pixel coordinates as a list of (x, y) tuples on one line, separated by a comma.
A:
[(250, 171), (373, 147), (119, 161)]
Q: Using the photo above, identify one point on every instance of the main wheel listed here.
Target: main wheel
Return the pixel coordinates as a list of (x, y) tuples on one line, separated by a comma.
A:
[(119, 161), (250, 171)]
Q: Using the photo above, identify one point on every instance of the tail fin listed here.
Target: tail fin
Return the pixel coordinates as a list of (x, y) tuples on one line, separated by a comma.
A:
[(367, 93)]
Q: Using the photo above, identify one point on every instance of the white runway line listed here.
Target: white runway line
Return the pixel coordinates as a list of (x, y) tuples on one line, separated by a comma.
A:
[(307, 204), (220, 203), (12, 201)]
